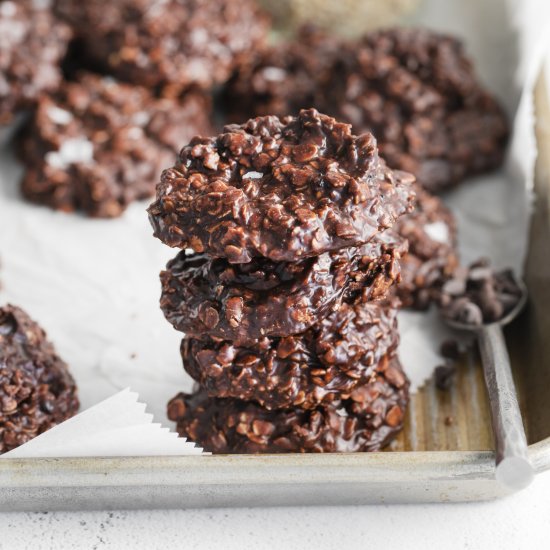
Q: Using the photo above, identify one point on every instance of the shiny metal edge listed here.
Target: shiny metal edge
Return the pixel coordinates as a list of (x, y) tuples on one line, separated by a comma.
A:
[(253, 480)]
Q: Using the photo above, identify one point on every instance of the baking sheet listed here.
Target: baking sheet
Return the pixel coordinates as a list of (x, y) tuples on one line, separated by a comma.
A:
[(93, 284)]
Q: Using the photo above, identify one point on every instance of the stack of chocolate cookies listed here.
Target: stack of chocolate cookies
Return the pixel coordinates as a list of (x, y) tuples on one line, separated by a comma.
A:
[(283, 298)]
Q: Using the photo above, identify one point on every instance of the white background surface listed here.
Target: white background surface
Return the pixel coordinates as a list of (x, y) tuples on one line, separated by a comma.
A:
[(518, 522)]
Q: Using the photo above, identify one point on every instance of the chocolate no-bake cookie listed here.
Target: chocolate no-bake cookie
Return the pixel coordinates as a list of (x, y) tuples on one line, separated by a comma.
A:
[(32, 44), (36, 390), (206, 297), (432, 257), (158, 43), (282, 189), (417, 92), (323, 364), (281, 79), (366, 421), (97, 145)]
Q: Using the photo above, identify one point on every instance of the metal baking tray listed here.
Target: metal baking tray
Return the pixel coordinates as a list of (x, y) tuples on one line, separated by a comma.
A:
[(444, 453)]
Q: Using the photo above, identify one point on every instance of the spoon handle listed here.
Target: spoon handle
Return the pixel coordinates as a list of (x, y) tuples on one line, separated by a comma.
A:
[(513, 468)]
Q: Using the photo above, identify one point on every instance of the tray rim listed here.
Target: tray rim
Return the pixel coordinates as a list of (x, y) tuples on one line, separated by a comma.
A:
[(380, 467), (202, 481)]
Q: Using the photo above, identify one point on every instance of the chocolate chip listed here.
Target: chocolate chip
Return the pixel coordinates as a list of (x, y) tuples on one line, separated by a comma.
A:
[(444, 375), (469, 314), (450, 350), (483, 299)]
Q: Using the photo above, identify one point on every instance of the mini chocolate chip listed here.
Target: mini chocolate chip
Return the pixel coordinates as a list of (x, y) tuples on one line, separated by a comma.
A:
[(443, 375), (450, 349)]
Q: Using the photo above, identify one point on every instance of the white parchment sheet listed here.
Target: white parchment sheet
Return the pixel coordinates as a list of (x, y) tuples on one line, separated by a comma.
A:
[(93, 284)]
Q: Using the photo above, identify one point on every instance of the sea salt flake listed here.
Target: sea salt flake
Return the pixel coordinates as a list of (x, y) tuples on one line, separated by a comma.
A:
[(59, 116), (72, 151), (274, 74), (141, 118), (438, 231), (135, 133), (253, 175), (8, 9)]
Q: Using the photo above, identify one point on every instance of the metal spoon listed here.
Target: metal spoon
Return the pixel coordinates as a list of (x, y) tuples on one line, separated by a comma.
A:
[(513, 468)]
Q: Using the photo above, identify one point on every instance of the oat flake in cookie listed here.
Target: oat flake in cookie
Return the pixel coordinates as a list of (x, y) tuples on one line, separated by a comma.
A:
[(283, 189), (430, 230), (159, 43), (32, 43), (97, 145), (324, 364), (243, 302), (417, 92), (36, 390), (366, 421)]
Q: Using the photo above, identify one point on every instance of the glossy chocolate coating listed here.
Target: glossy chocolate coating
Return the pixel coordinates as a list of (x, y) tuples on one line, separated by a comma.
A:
[(244, 302), (323, 364), (367, 421), (282, 189), (36, 389)]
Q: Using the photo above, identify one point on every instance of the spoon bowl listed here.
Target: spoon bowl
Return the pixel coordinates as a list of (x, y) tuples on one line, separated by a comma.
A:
[(503, 321)]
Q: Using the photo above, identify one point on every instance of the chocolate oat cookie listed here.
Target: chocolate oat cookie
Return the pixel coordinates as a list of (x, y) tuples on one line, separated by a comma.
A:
[(204, 297), (281, 79), (323, 364), (432, 257), (159, 43), (282, 189), (36, 390), (32, 43), (367, 421), (97, 145), (417, 92)]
